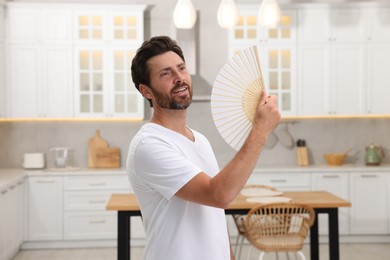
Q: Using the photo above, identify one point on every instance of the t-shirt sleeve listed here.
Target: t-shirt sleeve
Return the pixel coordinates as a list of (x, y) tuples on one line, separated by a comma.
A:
[(163, 167)]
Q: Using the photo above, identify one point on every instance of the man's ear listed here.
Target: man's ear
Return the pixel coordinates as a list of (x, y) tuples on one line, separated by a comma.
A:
[(145, 91)]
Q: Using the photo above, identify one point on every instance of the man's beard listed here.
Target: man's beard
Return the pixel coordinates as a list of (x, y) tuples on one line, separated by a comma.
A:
[(168, 102)]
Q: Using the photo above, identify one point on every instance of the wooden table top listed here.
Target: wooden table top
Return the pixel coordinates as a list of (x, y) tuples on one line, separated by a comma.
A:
[(316, 199)]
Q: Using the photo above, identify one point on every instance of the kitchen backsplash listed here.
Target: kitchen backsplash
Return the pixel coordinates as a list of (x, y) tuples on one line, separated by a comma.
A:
[(321, 135)]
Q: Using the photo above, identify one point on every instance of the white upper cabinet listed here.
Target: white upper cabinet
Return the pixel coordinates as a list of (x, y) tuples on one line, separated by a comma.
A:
[(39, 62), (378, 24), (332, 61), (73, 60), (327, 25), (105, 44), (2, 62)]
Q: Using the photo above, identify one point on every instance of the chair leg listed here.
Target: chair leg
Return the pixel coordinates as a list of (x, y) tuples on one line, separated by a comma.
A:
[(262, 254), (240, 248), (236, 246), (301, 255), (249, 252)]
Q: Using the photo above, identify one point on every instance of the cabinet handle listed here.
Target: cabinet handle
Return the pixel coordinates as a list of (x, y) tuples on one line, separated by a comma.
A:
[(45, 181), (330, 176), (97, 221), (12, 187), (20, 183), (3, 191), (97, 201), (278, 181), (368, 176), (97, 184)]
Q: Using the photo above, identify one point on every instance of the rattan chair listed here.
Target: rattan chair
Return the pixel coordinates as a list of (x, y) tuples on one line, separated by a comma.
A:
[(239, 221), (279, 227)]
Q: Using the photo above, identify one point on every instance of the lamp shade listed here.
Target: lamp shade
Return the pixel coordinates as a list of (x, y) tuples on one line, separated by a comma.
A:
[(269, 14), (184, 15), (227, 14)]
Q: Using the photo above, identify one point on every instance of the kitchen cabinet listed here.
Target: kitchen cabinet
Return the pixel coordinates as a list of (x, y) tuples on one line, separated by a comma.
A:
[(282, 181), (11, 219), (85, 199), (44, 208), (336, 183), (2, 61), (277, 52), (39, 61), (369, 198), (105, 44), (332, 58), (378, 60)]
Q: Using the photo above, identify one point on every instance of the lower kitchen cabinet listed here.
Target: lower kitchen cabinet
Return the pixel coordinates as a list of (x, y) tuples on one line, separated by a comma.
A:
[(369, 211), (90, 225), (337, 184), (11, 220), (283, 181), (85, 199), (44, 210)]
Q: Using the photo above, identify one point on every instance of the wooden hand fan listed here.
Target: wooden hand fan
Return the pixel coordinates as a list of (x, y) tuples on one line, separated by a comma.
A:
[(235, 96)]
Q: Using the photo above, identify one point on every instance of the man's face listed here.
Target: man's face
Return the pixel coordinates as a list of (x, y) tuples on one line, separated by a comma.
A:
[(170, 82)]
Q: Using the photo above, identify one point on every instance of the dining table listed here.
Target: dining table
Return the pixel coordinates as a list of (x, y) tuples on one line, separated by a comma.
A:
[(322, 202)]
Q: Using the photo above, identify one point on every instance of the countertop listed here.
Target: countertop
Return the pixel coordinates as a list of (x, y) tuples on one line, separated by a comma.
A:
[(8, 177)]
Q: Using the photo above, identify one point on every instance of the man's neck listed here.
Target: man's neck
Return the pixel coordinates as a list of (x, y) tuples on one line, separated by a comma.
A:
[(175, 120)]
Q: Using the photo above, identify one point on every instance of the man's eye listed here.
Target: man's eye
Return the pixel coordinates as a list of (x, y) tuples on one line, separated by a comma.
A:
[(165, 74)]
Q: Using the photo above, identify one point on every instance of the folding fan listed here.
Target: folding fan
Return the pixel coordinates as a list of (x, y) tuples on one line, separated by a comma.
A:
[(235, 96)]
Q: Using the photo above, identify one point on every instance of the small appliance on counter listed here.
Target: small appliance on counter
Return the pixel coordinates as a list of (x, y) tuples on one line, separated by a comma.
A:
[(373, 155), (62, 157), (33, 161)]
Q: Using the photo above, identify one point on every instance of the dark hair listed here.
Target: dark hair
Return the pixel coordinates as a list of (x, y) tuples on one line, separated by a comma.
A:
[(155, 46)]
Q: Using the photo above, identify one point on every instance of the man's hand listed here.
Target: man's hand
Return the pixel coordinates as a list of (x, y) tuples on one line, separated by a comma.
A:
[(267, 114)]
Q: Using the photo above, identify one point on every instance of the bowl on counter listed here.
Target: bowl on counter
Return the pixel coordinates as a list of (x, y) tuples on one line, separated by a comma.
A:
[(335, 158)]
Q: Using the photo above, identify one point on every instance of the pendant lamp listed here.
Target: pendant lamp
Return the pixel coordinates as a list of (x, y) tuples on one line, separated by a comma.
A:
[(184, 14), (227, 14), (269, 14)]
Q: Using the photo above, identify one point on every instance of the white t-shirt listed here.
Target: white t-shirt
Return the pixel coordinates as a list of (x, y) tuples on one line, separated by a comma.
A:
[(160, 162)]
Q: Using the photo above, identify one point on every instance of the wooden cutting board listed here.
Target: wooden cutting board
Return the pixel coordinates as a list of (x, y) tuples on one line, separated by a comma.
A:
[(100, 155)]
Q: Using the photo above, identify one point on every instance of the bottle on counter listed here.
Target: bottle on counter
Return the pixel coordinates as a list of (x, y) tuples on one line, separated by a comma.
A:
[(302, 155)]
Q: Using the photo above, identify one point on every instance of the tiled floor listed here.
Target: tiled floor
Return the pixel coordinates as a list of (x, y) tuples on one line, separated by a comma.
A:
[(347, 252)]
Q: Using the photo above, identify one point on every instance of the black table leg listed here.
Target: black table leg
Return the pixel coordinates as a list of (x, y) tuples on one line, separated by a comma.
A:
[(314, 243), (123, 235), (334, 250)]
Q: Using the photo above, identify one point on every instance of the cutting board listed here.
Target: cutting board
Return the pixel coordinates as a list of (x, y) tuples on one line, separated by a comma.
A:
[(100, 155)]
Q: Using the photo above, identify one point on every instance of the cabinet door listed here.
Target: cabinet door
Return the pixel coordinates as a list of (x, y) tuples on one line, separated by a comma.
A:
[(44, 209), (337, 184), (125, 27), (348, 25), (279, 70), (90, 27), (2, 80), (91, 81), (124, 100), (25, 81), (348, 78), (313, 80), (369, 203), (2, 62), (3, 224), (378, 92), (314, 25), (57, 86), (24, 25), (379, 24)]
